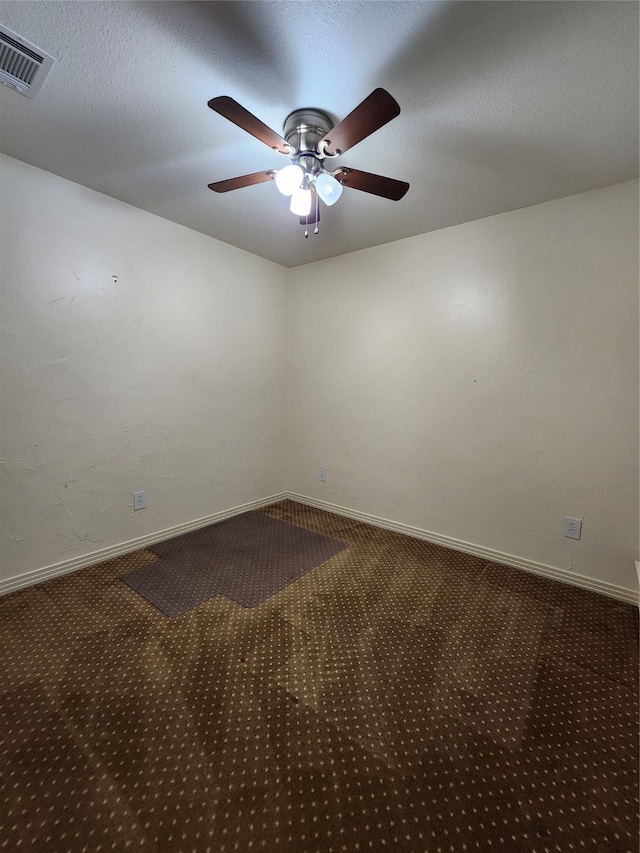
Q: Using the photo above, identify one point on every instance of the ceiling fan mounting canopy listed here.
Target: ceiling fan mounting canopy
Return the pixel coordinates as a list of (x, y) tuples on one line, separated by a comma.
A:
[(305, 128), (309, 138)]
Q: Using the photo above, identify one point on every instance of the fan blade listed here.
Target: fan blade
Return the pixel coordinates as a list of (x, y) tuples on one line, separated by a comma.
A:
[(242, 181), (369, 183), (236, 113), (374, 112)]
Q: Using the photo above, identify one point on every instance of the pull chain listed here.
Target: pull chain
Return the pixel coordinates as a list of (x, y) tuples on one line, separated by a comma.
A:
[(316, 229)]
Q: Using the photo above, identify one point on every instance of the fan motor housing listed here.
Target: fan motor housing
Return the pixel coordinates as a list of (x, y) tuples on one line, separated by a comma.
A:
[(303, 129)]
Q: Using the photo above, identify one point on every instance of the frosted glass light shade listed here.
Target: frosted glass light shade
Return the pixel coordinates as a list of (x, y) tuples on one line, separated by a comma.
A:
[(328, 188), (300, 202), (289, 179)]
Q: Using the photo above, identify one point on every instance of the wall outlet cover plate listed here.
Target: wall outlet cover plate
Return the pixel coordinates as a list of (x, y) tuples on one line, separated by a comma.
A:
[(572, 528)]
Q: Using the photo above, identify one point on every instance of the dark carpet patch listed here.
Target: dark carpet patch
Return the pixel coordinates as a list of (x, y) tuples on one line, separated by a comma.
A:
[(248, 558)]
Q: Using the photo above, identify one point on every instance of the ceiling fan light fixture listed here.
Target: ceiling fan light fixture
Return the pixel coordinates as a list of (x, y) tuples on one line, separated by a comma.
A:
[(309, 138), (289, 179), (328, 188), (300, 202)]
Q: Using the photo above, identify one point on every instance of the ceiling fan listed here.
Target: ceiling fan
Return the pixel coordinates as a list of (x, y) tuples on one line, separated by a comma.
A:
[(309, 140)]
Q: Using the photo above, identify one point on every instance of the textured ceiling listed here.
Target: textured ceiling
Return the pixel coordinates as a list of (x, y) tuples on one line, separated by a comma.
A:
[(504, 105)]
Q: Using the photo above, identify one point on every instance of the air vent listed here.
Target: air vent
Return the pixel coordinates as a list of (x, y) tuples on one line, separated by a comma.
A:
[(23, 66)]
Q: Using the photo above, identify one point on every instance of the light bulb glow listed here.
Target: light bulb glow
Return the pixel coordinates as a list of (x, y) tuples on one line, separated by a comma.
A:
[(328, 188), (301, 202), (289, 179)]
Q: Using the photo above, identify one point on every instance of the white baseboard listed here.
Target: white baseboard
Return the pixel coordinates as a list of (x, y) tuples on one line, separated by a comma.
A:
[(563, 575), (38, 575), (619, 592)]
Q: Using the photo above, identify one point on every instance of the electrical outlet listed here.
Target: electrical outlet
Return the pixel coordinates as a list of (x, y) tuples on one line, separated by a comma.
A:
[(572, 528), (139, 500), (322, 475)]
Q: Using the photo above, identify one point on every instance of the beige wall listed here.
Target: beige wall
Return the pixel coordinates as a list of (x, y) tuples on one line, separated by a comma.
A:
[(480, 382), (169, 380)]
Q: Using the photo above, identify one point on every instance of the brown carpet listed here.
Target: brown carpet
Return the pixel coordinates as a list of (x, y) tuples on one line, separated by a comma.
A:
[(398, 697), (248, 558)]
